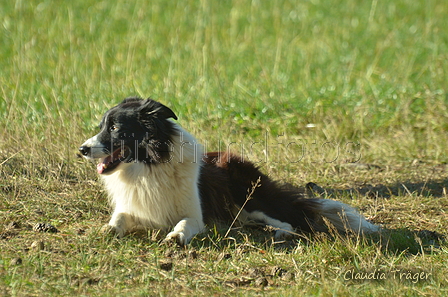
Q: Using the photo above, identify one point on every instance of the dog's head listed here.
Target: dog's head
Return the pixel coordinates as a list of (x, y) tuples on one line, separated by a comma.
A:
[(135, 130)]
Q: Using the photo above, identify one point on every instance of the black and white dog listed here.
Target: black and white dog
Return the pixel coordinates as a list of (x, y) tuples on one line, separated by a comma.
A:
[(158, 177)]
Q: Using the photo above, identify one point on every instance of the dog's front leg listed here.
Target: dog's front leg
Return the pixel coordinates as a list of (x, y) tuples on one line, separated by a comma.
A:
[(119, 224), (185, 230)]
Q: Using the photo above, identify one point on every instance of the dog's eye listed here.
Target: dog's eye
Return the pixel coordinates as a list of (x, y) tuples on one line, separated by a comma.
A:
[(113, 128)]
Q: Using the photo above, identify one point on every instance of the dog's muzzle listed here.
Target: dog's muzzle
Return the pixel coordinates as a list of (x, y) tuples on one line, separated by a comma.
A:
[(108, 159)]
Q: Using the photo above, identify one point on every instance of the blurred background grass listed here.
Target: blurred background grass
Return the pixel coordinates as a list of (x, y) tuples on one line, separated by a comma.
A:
[(371, 71)]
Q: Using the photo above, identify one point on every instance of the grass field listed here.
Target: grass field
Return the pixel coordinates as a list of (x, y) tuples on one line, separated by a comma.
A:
[(351, 95)]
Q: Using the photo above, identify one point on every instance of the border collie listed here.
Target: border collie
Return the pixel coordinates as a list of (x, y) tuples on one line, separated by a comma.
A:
[(158, 177)]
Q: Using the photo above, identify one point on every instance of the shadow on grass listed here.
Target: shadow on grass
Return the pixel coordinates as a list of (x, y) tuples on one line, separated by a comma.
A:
[(260, 239), (434, 188), (403, 240), (389, 241)]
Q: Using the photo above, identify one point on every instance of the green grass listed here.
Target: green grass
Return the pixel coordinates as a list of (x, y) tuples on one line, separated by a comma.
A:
[(369, 75)]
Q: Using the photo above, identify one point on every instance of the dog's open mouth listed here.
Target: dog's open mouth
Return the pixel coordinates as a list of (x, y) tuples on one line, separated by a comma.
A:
[(112, 161)]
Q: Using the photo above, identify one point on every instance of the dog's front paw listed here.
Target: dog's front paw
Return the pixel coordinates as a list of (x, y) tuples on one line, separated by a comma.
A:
[(175, 237), (112, 230)]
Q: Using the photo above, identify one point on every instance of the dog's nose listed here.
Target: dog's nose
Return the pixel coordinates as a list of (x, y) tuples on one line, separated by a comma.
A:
[(84, 150)]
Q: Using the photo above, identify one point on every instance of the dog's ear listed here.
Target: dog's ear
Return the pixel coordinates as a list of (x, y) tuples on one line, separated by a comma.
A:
[(156, 109)]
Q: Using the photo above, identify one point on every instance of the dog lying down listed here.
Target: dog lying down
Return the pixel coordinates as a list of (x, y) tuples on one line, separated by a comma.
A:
[(158, 177)]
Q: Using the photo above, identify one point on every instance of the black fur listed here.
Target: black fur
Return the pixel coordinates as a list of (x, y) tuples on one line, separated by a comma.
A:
[(147, 135), (226, 182)]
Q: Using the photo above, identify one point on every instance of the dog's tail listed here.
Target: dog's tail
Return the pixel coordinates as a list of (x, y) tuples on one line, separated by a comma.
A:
[(344, 218)]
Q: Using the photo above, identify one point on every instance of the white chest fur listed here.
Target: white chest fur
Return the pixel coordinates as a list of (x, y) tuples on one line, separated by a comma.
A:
[(161, 196)]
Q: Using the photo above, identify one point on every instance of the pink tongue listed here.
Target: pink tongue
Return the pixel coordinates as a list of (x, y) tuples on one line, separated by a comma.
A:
[(100, 167), (103, 164)]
